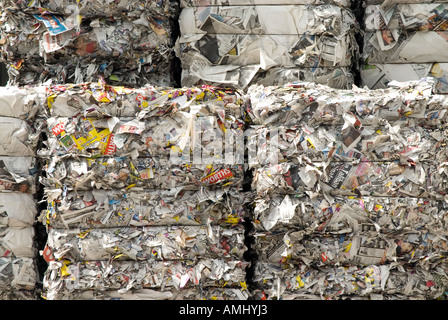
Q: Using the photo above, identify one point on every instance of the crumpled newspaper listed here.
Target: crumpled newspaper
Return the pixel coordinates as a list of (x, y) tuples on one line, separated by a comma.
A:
[(373, 282), (114, 208), (142, 122), (146, 243), (313, 104), (42, 45), (164, 278), (345, 239)]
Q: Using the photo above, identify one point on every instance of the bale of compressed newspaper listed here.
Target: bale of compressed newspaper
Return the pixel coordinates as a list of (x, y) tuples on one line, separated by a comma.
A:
[(121, 208), (94, 8), (128, 276), (98, 99), (154, 294), (385, 282), (47, 46), (139, 174), (364, 177), (402, 139), (235, 46), (199, 3), (394, 31), (349, 238), (146, 243), (315, 104), (18, 278), (275, 213)]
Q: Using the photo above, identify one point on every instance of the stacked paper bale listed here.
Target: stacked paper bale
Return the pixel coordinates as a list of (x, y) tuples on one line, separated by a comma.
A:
[(403, 41), (127, 42), (355, 206), (129, 214), (18, 192), (239, 43)]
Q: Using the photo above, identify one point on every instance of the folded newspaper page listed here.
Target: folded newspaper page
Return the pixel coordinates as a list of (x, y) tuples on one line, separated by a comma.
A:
[(405, 46), (17, 241), (21, 103)]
